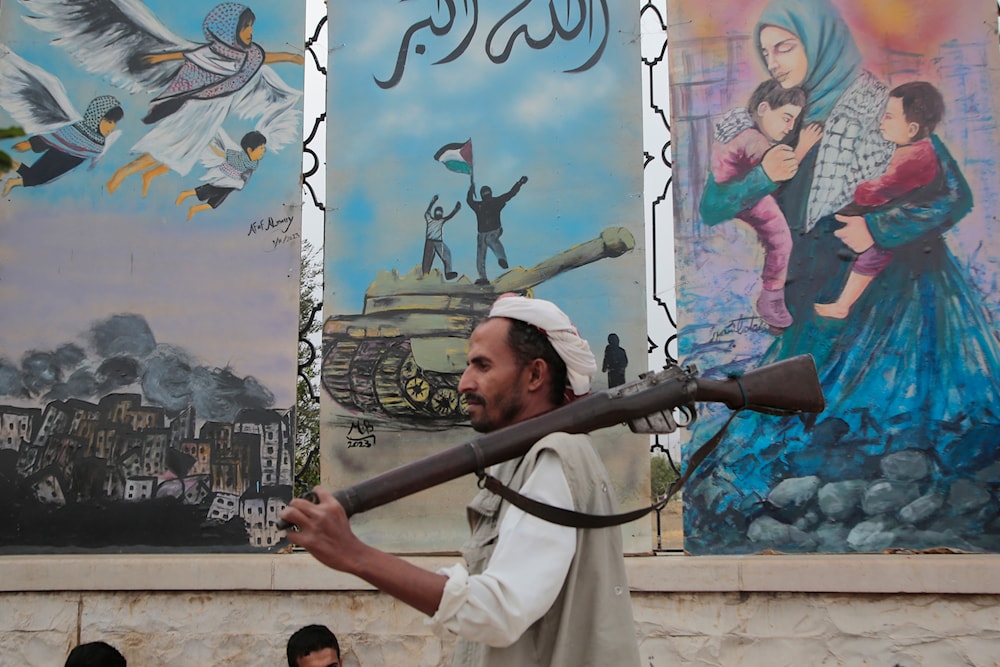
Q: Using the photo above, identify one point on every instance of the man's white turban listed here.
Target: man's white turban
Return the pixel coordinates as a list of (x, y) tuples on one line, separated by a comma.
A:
[(571, 347)]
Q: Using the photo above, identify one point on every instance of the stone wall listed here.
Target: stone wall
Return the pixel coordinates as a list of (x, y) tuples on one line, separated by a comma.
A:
[(219, 611)]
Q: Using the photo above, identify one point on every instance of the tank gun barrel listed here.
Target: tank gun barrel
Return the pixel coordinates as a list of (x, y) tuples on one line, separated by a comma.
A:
[(612, 242)]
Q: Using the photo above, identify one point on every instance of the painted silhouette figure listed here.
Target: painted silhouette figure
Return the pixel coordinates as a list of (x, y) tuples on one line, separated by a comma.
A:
[(490, 229), (615, 361), (196, 85), (233, 172), (434, 238)]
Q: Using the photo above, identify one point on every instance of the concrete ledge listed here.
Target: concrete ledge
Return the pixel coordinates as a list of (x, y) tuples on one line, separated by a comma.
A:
[(821, 573)]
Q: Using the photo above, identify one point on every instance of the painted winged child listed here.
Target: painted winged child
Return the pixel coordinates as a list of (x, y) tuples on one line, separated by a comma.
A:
[(230, 167), (196, 86), (65, 139)]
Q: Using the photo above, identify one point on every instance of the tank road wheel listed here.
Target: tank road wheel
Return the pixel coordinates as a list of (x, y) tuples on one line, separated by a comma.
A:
[(335, 372), (400, 385), (445, 399), (417, 390), (409, 369), (445, 402), (381, 377)]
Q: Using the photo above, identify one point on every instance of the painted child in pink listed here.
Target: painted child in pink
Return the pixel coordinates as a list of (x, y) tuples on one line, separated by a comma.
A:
[(742, 137), (912, 112)]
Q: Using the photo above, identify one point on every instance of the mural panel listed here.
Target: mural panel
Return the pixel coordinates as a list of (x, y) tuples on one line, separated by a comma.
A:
[(474, 149), (149, 253), (834, 166)]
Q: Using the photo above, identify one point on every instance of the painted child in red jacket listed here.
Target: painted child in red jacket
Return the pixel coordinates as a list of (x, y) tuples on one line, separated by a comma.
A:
[(912, 112)]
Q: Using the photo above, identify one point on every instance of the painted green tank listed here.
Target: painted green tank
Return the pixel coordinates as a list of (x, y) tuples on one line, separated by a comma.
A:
[(404, 355)]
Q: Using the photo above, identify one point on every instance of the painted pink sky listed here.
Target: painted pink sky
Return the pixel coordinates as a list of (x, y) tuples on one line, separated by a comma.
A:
[(902, 25)]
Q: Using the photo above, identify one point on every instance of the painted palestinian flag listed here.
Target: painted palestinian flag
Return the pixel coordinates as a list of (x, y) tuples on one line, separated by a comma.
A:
[(456, 157)]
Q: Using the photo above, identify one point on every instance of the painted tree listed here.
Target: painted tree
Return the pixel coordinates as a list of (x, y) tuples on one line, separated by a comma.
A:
[(6, 162), (307, 398)]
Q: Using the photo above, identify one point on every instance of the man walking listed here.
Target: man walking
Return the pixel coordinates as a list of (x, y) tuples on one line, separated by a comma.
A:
[(531, 593)]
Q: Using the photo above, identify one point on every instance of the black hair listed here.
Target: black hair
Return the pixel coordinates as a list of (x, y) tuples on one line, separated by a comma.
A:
[(922, 104), (528, 343), (114, 114), (95, 654), (770, 91), (246, 18), (310, 639), (252, 139)]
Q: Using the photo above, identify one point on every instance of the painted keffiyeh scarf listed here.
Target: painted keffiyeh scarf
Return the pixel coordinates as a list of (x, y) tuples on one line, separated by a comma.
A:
[(83, 139), (221, 28), (732, 123), (239, 165)]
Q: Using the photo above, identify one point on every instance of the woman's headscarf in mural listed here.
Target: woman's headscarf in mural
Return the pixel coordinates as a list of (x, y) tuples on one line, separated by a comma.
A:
[(834, 59), (84, 139), (221, 68)]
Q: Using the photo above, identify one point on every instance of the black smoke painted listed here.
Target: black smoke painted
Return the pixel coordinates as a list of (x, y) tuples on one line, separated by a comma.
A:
[(122, 352)]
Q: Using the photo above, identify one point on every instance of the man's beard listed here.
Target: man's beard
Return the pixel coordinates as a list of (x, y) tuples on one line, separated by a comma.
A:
[(509, 409)]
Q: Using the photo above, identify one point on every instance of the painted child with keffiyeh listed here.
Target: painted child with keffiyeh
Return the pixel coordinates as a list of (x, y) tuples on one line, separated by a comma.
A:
[(68, 147), (232, 173), (226, 75), (742, 137)]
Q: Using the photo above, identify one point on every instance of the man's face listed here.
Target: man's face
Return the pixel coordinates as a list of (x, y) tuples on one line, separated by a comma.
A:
[(326, 657), (493, 383)]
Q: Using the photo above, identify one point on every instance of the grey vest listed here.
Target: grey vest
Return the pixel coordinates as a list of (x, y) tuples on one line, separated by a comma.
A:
[(590, 623)]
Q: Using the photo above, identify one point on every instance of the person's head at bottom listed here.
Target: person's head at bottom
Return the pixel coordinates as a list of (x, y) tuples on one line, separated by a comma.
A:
[(313, 646), (95, 654)]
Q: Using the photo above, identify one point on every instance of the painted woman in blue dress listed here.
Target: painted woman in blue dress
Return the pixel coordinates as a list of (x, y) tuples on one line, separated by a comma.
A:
[(914, 368)]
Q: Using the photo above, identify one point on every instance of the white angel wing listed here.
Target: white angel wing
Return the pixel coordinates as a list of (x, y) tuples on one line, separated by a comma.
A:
[(109, 37), (35, 99), (276, 103), (222, 142), (110, 139)]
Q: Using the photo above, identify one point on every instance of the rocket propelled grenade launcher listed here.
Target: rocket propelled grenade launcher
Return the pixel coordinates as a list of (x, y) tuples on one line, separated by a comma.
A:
[(647, 405)]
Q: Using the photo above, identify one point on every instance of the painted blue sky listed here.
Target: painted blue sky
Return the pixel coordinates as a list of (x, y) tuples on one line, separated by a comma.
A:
[(279, 27), (216, 286)]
